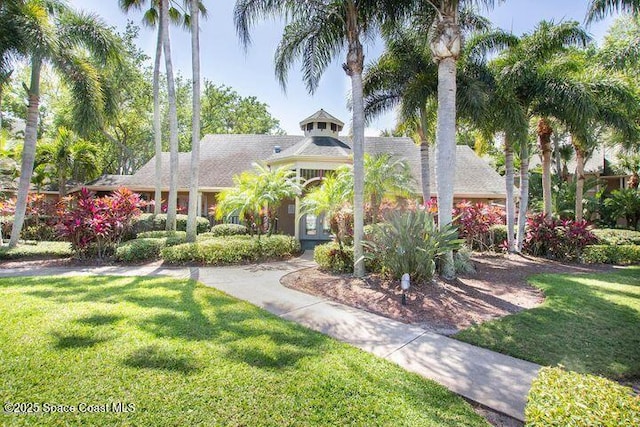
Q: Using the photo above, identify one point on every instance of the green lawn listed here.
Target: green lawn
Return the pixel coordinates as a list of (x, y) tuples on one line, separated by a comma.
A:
[(184, 354), (589, 324)]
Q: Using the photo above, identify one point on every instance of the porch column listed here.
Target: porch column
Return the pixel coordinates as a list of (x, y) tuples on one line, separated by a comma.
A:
[(199, 204), (297, 215)]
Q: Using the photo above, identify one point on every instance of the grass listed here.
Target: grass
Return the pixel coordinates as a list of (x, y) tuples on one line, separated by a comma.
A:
[(587, 323), (37, 250), (184, 354)]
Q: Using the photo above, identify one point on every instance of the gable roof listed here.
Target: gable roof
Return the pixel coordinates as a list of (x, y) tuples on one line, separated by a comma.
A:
[(319, 116), (223, 156)]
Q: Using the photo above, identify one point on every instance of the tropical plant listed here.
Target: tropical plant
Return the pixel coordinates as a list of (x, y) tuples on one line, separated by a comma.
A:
[(630, 164), (69, 158), (474, 222), (625, 203), (95, 226), (54, 33), (598, 9), (562, 239), (385, 176), (529, 88), (195, 124), (256, 196), (411, 242), (316, 32)]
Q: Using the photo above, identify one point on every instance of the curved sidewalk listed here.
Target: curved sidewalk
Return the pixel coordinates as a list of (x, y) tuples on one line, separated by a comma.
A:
[(494, 380)]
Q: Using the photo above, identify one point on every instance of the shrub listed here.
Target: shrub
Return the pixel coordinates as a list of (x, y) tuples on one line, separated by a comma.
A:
[(331, 257), (498, 237), (178, 235), (462, 261), (209, 235), (37, 250), (561, 398), (555, 238), (474, 222), (607, 254), (612, 236), (141, 249), (410, 242), (231, 250), (95, 226), (152, 222), (229, 230), (625, 204)]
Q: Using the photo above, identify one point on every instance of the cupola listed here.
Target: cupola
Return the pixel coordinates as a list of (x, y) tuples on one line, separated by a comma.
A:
[(321, 123)]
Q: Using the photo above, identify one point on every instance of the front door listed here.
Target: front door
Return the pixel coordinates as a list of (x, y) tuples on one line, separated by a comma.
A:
[(314, 229)]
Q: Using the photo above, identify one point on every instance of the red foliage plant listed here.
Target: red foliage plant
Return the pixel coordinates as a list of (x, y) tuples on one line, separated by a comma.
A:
[(474, 222), (562, 239), (94, 226)]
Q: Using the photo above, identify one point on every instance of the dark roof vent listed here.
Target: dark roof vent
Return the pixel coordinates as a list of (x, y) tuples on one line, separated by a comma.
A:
[(276, 149)]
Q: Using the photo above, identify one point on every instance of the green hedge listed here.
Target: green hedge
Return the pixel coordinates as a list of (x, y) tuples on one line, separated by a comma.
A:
[(232, 250), (560, 398), (151, 222), (613, 236), (229, 230), (330, 257), (497, 236), (607, 254), (148, 247), (38, 250)]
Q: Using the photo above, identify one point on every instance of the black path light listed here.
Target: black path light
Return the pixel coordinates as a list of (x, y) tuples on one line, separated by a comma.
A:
[(405, 283)]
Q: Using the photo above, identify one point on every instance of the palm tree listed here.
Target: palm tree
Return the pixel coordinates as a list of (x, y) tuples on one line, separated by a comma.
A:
[(256, 191), (385, 176), (316, 32), (195, 121), (532, 88), (62, 37), (630, 163), (598, 9), (69, 157)]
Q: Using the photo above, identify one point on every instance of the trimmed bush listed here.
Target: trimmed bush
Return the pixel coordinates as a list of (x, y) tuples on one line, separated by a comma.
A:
[(38, 250), (175, 235), (229, 230), (612, 236), (607, 254), (151, 222), (143, 249), (209, 235), (330, 257), (232, 250), (497, 236), (560, 398)]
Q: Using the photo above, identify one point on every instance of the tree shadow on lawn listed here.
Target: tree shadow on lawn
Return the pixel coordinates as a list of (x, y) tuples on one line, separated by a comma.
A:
[(157, 357), (576, 327), (248, 334)]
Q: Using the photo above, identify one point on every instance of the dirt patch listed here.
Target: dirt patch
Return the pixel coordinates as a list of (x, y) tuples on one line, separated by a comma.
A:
[(498, 288)]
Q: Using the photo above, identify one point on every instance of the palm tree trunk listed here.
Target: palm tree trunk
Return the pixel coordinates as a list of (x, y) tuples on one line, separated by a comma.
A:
[(524, 194), (425, 173), (353, 68), (28, 152), (62, 183), (446, 151), (544, 140), (172, 200), (157, 130), (509, 182), (195, 125), (580, 155)]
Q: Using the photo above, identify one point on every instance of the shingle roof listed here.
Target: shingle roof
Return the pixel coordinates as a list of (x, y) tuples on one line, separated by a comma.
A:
[(109, 181), (321, 115), (315, 146), (223, 156)]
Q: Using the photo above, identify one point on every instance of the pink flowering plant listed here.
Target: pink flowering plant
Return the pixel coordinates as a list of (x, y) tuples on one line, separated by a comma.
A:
[(474, 222), (95, 225)]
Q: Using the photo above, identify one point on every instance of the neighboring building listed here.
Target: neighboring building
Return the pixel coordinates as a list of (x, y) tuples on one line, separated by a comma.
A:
[(321, 149)]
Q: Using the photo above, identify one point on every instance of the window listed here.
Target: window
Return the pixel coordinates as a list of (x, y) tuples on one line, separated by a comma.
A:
[(326, 225), (310, 225), (322, 125), (309, 126), (334, 127)]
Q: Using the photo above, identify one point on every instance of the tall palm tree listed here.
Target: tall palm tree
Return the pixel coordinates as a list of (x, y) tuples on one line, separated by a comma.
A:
[(385, 176), (195, 121), (63, 38), (316, 32), (523, 76), (70, 157)]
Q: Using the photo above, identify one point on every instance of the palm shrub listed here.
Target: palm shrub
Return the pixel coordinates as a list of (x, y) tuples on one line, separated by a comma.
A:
[(411, 242), (625, 204)]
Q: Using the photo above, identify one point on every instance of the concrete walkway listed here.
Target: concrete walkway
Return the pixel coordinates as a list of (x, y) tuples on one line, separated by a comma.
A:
[(494, 380)]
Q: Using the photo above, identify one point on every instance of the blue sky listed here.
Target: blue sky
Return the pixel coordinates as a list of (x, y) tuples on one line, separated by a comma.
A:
[(251, 73)]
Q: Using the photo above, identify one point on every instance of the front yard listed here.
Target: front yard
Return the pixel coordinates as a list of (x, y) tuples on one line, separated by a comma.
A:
[(587, 323), (183, 354)]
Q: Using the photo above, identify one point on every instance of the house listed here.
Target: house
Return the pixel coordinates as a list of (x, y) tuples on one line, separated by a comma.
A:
[(319, 150)]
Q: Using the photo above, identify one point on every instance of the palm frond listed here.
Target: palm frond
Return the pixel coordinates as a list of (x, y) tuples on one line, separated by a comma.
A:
[(598, 9)]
